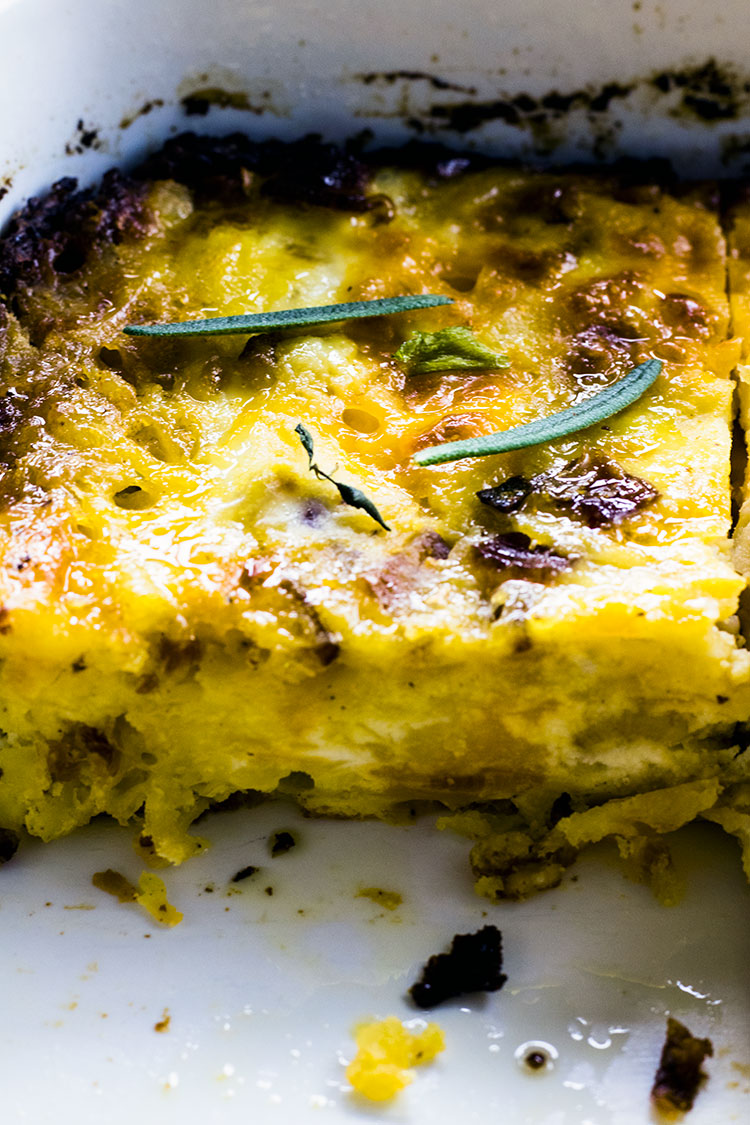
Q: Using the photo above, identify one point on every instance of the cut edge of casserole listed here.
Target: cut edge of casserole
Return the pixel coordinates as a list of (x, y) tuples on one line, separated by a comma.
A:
[(189, 612)]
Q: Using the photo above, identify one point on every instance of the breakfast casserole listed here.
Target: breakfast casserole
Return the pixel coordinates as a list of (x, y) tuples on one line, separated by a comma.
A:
[(225, 571)]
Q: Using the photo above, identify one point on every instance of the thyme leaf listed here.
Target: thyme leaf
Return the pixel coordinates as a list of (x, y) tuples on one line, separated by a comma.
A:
[(350, 495), (594, 409), (249, 323), (449, 349)]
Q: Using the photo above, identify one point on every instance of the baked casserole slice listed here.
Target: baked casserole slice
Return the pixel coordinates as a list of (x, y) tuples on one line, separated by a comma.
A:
[(188, 611)]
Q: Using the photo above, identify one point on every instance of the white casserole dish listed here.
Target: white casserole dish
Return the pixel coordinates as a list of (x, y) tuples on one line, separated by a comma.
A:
[(261, 997)]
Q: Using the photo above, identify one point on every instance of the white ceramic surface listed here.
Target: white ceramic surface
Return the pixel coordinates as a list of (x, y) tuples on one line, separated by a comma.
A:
[(261, 997), (263, 990), (301, 65)]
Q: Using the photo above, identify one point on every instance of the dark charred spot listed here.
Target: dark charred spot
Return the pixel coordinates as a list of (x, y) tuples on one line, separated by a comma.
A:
[(706, 91), (67, 758), (179, 655), (324, 176), (528, 266), (552, 203), (9, 841), (680, 1072), (514, 551), (473, 964), (54, 233), (281, 842), (562, 806), (5, 623), (306, 171), (508, 496)]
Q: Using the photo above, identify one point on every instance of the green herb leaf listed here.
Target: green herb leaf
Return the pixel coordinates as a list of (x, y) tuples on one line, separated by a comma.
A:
[(306, 438), (354, 497), (595, 409), (249, 323), (449, 349)]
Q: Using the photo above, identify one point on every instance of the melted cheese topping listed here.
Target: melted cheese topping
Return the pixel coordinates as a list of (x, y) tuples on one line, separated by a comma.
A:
[(188, 611)]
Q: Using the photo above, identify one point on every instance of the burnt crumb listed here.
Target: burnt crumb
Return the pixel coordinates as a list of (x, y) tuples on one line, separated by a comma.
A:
[(86, 137), (268, 891), (281, 843), (680, 1072), (508, 496), (78, 665), (514, 551), (473, 964), (244, 873), (9, 841), (598, 491)]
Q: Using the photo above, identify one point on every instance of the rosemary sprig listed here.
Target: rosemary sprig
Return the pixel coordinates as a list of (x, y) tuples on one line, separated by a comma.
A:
[(249, 323), (448, 349), (595, 409), (354, 497)]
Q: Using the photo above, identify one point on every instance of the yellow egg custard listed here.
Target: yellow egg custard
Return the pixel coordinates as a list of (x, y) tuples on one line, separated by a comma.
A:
[(190, 609)]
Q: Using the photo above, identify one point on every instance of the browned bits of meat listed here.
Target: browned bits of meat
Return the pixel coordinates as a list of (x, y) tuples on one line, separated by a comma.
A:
[(508, 496), (513, 551), (456, 428), (605, 298), (9, 842), (680, 1073), (433, 546), (281, 843), (599, 349), (686, 316), (599, 491), (473, 964)]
